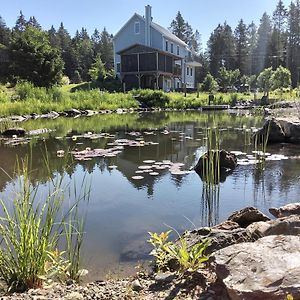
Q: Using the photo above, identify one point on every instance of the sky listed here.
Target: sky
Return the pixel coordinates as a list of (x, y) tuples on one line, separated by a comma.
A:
[(201, 14)]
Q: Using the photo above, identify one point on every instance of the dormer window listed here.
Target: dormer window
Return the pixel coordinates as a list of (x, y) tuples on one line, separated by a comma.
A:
[(177, 50), (167, 46), (172, 48), (137, 27)]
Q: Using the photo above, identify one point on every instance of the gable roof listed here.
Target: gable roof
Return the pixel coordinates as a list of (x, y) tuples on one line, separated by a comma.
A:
[(123, 27), (165, 32), (168, 34)]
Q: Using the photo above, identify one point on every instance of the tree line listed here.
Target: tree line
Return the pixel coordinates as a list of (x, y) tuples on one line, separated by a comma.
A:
[(232, 55), (248, 48), (44, 56)]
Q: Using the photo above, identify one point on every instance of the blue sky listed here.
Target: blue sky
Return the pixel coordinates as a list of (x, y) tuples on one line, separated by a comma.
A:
[(201, 14)]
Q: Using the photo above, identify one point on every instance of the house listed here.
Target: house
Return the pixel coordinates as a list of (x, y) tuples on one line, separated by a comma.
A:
[(146, 55)]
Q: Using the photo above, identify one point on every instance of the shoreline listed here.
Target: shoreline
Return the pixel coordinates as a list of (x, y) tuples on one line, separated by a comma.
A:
[(207, 282)]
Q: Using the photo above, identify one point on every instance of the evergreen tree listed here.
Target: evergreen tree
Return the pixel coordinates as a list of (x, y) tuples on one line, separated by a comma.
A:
[(242, 48), (178, 26), (4, 33), (33, 22), (278, 43), (21, 23), (97, 71), (221, 49), (34, 59), (293, 50), (106, 50), (264, 33), (252, 43)]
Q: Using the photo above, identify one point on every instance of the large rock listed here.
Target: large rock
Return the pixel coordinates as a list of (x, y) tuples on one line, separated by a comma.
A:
[(287, 225), (221, 236), (14, 131), (287, 210), (280, 130), (266, 269), (247, 216), (226, 162)]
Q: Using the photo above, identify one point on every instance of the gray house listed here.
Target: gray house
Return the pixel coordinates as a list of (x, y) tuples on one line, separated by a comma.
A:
[(146, 55)]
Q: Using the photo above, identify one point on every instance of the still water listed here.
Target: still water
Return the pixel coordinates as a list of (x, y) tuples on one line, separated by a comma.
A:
[(121, 209)]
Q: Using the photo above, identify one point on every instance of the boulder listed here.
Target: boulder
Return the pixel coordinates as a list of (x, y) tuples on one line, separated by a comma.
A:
[(14, 131), (265, 269), (72, 112), (221, 236), (280, 130), (287, 225), (287, 210), (247, 216), (226, 161)]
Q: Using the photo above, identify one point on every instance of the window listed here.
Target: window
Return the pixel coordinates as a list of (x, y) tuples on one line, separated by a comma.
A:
[(177, 50), (167, 46), (192, 71), (187, 71), (118, 67), (172, 48), (137, 27)]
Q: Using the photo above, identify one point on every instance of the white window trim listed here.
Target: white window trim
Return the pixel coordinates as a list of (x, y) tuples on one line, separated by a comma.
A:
[(178, 50), (139, 26), (172, 48), (166, 45)]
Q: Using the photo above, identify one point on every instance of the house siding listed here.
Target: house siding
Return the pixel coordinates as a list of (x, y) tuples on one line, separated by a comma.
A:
[(127, 37)]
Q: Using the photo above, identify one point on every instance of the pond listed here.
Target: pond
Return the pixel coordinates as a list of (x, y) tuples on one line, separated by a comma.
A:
[(122, 207)]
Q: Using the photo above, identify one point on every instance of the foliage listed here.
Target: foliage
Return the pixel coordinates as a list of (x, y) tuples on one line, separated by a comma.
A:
[(227, 78), (209, 84), (281, 78), (151, 98), (34, 59), (264, 80), (189, 260), (32, 231), (97, 71)]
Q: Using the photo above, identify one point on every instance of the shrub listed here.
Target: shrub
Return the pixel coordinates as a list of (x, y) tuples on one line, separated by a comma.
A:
[(151, 98)]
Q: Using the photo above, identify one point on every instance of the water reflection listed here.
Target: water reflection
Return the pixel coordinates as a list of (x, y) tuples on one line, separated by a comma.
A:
[(122, 210)]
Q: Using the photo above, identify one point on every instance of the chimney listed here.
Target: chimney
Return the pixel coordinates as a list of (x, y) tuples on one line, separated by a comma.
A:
[(148, 19)]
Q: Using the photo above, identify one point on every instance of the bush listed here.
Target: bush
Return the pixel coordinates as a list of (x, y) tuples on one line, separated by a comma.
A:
[(151, 98)]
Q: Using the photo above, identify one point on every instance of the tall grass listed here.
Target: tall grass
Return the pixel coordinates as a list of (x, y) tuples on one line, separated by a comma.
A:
[(33, 226)]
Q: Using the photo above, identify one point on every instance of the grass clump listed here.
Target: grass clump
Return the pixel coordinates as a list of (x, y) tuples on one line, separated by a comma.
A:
[(188, 259), (33, 228)]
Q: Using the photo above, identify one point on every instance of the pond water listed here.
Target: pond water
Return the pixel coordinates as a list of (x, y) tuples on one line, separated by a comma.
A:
[(122, 209)]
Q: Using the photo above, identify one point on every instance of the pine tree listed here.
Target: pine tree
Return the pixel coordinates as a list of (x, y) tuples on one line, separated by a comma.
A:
[(264, 33), (106, 50), (33, 22), (252, 43), (4, 33), (178, 26), (242, 48), (293, 50), (21, 23)]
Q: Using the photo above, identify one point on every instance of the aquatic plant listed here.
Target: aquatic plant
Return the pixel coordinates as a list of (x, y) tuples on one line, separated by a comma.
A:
[(188, 259), (33, 226)]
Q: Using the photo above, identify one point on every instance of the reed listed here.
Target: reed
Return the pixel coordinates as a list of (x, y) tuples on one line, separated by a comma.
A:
[(33, 226)]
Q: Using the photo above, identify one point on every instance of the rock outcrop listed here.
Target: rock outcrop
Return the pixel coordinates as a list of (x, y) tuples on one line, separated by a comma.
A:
[(265, 269), (287, 210), (278, 130)]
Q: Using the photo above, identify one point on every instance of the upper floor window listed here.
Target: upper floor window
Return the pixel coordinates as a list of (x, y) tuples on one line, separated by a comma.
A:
[(137, 27), (118, 67), (187, 71), (191, 71), (172, 48), (167, 46), (177, 50)]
